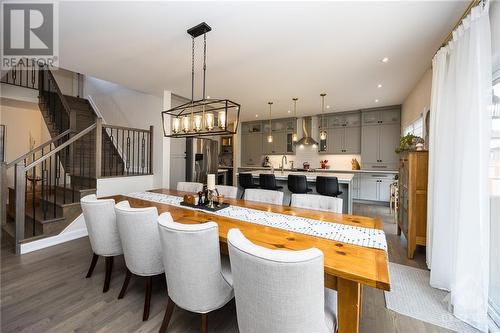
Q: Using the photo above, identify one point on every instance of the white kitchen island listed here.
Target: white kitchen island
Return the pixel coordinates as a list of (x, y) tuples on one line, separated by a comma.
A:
[(345, 184)]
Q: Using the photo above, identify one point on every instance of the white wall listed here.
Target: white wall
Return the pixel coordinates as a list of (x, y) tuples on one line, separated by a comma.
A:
[(123, 185), (22, 120), (126, 107), (418, 100)]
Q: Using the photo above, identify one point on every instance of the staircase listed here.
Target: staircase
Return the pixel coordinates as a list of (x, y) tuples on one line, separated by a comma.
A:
[(51, 178)]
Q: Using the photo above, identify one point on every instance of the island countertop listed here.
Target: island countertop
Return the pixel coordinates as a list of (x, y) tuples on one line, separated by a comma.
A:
[(327, 171), (310, 175)]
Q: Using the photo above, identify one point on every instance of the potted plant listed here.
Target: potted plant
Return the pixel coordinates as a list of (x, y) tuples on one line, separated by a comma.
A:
[(409, 142)]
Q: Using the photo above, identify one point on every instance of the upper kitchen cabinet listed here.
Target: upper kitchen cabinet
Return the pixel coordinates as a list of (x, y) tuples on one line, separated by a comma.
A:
[(251, 148), (389, 115), (251, 127), (282, 130), (380, 135), (343, 134)]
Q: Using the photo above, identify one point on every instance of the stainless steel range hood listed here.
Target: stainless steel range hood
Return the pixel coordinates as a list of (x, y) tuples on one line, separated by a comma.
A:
[(307, 139)]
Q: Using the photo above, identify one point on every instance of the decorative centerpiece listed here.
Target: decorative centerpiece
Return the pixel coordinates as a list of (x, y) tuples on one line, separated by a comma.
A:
[(206, 197)]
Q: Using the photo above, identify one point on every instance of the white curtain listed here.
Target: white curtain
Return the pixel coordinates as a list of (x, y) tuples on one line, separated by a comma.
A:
[(458, 201)]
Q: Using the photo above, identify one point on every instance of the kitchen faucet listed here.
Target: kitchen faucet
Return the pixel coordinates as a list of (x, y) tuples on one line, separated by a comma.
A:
[(283, 164)]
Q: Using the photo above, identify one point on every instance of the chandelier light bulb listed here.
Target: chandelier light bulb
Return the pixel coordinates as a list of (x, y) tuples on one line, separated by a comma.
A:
[(176, 125), (222, 119), (270, 138), (295, 138), (209, 120), (198, 122), (186, 121)]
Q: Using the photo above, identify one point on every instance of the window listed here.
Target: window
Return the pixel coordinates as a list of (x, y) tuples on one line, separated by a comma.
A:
[(416, 128)]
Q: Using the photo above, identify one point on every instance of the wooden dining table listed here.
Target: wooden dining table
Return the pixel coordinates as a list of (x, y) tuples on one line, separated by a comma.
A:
[(347, 267)]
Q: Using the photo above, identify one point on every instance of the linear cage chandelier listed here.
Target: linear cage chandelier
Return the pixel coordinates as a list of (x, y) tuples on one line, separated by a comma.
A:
[(204, 117)]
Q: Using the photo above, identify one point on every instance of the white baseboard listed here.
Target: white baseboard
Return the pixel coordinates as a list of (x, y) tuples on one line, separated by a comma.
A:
[(54, 240)]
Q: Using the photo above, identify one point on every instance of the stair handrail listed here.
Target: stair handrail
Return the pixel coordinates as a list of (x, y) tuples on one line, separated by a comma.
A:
[(58, 90), (61, 147), (38, 148)]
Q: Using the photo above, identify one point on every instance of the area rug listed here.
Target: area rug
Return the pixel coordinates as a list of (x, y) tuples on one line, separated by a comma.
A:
[(411, 295)]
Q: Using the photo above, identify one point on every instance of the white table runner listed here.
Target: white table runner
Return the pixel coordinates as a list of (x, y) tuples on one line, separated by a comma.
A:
[(330, 230)]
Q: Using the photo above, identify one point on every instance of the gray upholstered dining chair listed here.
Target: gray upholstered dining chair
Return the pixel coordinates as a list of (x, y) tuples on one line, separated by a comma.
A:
[(141, 246), (100, 219), (317, 202), (265, 196), (189, 187), (280, 291), (227, 191), (197, 280)]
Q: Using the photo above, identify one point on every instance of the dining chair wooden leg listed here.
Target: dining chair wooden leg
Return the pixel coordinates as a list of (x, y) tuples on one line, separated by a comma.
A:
[(204, 319), (125, 284), (168, 315), (147, 298), (92, 265), (109, 268)]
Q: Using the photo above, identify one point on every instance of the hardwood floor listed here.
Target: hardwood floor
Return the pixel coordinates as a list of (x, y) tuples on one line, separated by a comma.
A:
[(46, 291)]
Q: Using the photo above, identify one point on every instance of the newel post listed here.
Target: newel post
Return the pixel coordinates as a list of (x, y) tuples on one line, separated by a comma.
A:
[(98, 147), (151, 139), (20, 203)]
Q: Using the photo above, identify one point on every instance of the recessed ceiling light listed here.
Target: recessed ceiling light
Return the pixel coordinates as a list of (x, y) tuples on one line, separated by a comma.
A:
[(376, 101), (385, 59), (328, 106), (379, 85)]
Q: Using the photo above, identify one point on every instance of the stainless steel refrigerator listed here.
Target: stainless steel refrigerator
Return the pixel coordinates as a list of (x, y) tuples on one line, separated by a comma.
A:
[(201, 159)]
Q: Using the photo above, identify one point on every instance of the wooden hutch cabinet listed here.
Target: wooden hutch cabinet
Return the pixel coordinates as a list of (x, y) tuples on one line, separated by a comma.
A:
[(412, 213)]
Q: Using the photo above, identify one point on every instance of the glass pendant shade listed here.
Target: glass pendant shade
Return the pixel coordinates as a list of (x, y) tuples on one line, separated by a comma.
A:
[(322, 135), (176, 125), (270, 138), (222, 119), (198, 119), (186, 121), (209, 120), (295, 137)]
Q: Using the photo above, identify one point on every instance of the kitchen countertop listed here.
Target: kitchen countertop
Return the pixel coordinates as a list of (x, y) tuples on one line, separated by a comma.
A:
[(325, 170), (311, 176)]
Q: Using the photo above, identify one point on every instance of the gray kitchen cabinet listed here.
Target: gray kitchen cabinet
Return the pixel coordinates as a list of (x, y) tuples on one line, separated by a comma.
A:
[(335, 141), (369, 144), (352, 140), (279, 143), (267, 147), (368, 188), (282, 130), (389, 115), (375, 187), (251, 127), (251, 149), (380, 135), (389, 141)]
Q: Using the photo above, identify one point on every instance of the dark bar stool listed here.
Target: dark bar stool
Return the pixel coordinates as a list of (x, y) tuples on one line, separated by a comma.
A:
[(268, 182), (297, 184), (246, 181), (328, 186)]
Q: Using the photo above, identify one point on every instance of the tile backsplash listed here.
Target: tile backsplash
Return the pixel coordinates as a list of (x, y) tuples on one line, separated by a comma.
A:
[(311, 155)]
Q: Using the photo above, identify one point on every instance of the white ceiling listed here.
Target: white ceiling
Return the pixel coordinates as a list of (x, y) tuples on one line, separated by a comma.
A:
[(261, 51)]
